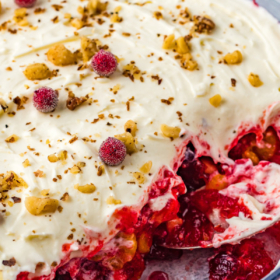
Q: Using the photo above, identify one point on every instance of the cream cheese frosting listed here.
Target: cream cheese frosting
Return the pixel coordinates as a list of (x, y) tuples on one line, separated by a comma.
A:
[(239, 26)]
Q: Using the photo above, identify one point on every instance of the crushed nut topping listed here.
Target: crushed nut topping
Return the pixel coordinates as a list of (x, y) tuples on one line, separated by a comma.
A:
[(38, 206), (37, 71), (233, 58), (203, 25), (73, 102), (255, 80), (111, 200), (169, 131), (11, 139), (87, 189), (216, 100), (131, 127)]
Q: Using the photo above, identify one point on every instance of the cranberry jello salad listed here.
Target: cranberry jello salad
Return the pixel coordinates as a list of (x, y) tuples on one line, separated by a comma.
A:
[(131, 127)]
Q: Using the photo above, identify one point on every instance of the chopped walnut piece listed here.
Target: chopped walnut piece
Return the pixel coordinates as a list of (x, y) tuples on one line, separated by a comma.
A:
[(233, 58), (112, 200), (158, 15), (73, 102), (88, 188), (26, 163), (11, 139), (39, 173), (37, 71), (131, 127), (182, 46), (45, 192), (95, 7), (10, 262), (75, 169), (81, 164), (88, 48), (3, 105), (77, 23), (59, 55), (37, 206), (216, 100), (129, 142), (169, 42), (65, 197), (169, 131), (20, 102), (19, 16), (52, 158), (188, 63), (140, 177), (255, 80), (203, 25), (146, 168), (62, 155), (115, 16), (100, 170), (16, 199)]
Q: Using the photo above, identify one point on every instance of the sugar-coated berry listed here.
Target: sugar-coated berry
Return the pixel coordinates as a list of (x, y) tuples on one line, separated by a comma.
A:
[(45, 99), (112, 151), (25, 3), (104, 63)]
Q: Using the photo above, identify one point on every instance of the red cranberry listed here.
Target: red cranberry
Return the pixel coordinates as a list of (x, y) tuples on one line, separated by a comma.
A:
[(45, 99), (222, 266), (25, 3), (158, 275), (191, 171), (104, 63), (247, 260), (112, 151)]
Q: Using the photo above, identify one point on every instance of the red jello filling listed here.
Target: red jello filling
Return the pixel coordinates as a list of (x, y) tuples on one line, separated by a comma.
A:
[(248, 260)]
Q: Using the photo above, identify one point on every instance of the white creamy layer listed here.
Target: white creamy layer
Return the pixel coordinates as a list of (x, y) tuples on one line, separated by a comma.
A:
[(255, 33)]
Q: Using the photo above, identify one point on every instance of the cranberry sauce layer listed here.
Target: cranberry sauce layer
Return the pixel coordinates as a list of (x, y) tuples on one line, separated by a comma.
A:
[(248, 260)]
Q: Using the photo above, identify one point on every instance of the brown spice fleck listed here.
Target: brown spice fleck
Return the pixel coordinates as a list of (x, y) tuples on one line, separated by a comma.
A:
[(233, 82), (73, 139), (16, 199), (65, 197)]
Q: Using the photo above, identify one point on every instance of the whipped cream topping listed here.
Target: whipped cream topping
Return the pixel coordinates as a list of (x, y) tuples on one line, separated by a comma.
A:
[(239, 26)]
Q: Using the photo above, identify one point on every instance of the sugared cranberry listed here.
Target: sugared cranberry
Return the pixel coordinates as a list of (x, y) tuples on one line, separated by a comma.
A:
[(25, 3), (104, 63), (112, 151), (45, 99), (158, 275)]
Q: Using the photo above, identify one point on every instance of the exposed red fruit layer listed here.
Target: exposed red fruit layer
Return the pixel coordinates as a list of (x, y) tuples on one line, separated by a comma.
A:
[(248, 260), (104, 63), (45, 99), (158, 275), (25, 3), (112, 151), (185, 220)]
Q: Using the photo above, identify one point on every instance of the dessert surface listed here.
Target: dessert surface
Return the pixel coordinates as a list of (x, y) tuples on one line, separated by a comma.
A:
[(172, 89)]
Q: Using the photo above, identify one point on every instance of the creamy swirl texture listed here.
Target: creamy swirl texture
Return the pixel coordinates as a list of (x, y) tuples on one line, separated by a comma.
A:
[(138, 38)]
